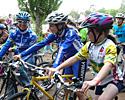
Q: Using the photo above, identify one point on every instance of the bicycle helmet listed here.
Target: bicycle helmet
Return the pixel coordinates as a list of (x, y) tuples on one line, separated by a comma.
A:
[(2, 26), (120, 15), (98, 21), (23, 16), (55, 18)]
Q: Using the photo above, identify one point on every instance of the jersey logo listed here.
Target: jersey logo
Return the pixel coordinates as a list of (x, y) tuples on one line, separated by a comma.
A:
[(101, 50)]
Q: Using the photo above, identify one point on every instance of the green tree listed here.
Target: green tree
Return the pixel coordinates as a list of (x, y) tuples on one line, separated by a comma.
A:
[(39, 9), (109, 11), (103, 10), (87, 12), (122, 7), (74, 14), (112, 12)]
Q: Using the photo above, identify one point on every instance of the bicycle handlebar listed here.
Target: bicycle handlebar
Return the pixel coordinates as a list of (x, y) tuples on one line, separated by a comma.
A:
[(34, 69), (15, 65), (73, 86)]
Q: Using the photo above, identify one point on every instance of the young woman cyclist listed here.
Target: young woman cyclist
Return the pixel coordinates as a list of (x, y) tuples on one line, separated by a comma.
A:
[(67, 39), (119, 31), (3, 34), (22, 37), (102, 53)]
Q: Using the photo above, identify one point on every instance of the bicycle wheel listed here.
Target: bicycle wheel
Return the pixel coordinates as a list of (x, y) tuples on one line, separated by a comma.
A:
[(22, 96), (38, 59), (45, 64), (60, 95), (54, 54), (8, 88)]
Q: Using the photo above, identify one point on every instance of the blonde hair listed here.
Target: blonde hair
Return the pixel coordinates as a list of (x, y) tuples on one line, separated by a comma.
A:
[(2, 20)]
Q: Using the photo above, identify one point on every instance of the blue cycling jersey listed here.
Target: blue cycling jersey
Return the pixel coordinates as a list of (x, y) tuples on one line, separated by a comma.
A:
[(20, 39), (120, 32), (69, 44)]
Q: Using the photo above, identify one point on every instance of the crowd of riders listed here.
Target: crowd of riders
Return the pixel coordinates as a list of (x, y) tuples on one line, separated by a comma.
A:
[(90, 39)]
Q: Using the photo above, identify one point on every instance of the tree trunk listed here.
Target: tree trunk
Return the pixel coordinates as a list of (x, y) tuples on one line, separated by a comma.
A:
[(38, 25)]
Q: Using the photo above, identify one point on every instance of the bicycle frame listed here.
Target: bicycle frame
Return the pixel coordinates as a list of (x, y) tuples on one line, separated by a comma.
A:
[(36, 79)]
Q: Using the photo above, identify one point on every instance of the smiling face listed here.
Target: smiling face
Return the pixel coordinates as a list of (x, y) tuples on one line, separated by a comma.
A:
[(119, 21), (53, 28), (23, 25)]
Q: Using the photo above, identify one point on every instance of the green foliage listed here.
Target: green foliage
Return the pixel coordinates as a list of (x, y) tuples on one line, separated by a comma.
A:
[(103, 10), (109, 11), (40, 37), (39, 9), (122, 8), (87, 12), (74, 14)]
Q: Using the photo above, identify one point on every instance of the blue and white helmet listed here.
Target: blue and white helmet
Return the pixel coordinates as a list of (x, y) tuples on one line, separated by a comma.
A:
[(23, 16), (56, 17), (2, 26)]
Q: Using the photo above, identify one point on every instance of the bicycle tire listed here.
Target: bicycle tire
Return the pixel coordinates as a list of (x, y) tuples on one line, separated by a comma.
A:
[(72, 96), (22, 96), (7, 89), (54, 54), (45, 64), (38, 60), (59, 95)]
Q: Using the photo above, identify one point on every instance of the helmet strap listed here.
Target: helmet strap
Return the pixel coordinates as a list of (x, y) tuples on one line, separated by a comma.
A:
[(60, 27), (96, 37)]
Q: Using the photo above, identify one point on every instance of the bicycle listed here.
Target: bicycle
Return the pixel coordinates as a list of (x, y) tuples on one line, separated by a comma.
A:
[(30, 92), (120, 58), (71, 88), (38, 58), (9, 75)]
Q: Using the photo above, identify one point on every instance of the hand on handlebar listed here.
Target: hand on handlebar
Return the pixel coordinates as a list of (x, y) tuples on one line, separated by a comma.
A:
[(51, 71), (16, 57), (86, 85)]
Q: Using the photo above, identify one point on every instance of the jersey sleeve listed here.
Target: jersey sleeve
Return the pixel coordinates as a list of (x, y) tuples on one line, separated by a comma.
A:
[(50, 38), (69, 42), (111, 54), (83, 53)]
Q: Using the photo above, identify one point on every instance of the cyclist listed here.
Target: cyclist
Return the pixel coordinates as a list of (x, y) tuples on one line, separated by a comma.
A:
[(68, 41), (3, 38), (3, 21), (22, 37), (102, 53), (83, 34), (119, 30), (3, 34)]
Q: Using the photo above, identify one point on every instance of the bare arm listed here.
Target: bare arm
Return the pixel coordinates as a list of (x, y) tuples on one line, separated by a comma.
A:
[(68, 62), (100, 76), (104, 71)]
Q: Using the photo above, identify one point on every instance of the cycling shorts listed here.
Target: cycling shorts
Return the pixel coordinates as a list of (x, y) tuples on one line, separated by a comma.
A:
[(118, 84)]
